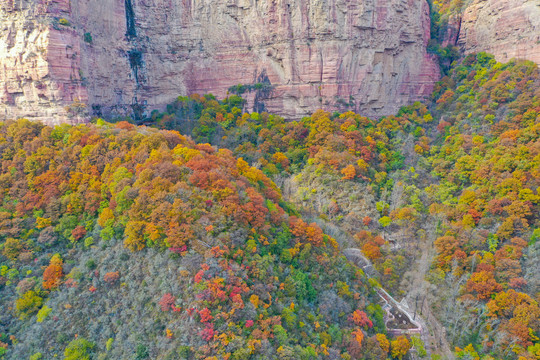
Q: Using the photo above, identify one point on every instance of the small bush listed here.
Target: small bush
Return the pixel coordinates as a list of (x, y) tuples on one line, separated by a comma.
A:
[(48, 236), (88, 242), (88, 38), (385, 221), (62, 338), (12, 248), (79, 349), (53, 273), (64, 22), (184, 352), (142, 352), (43, 313), (91, 264), (111, 277), (28, 304), (25, 285), (36, 356), (109, 344)]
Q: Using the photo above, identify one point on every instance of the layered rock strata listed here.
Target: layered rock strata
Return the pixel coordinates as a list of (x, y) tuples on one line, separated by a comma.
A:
[(506, 28), (130, 56), (40, 63)]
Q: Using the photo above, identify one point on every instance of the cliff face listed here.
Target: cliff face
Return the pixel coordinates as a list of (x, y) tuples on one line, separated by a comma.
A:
[(506, 28), (131, 56), (128, 56), (39, 62)]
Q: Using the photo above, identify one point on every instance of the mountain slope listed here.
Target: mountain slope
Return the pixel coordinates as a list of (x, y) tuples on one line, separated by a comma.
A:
[(217, 267), (454, 184)]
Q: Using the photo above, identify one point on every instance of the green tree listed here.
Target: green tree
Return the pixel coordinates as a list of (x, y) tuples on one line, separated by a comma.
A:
[(79, 349), (28, 304)]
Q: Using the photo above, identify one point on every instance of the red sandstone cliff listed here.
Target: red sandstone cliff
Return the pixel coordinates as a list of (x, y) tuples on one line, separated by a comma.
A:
[(39, 62), (367, 56), (506, 28)]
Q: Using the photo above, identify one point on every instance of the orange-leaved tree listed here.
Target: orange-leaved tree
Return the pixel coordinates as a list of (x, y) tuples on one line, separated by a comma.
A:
[(53, 273)]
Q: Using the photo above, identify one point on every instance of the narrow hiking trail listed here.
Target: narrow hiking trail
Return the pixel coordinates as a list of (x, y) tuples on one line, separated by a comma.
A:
[(399, 319), (414, 315), (418, 321)]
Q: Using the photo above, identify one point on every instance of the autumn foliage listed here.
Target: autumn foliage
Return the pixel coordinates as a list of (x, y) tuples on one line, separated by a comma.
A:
[(257, 278), (111, 277), (53, 273)]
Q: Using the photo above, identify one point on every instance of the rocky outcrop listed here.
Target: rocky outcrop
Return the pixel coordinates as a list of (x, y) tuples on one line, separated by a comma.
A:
[(506, 28), (131, 56)]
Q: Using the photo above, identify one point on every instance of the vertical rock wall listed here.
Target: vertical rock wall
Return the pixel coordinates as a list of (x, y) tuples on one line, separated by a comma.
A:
[(506, 28), (131, 56), (39, 62)]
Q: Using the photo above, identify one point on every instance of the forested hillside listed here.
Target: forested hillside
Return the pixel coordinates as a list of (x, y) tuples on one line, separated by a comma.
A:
[(215, 229), (118, 223), (175, 248), (461, 174), (127, 242)]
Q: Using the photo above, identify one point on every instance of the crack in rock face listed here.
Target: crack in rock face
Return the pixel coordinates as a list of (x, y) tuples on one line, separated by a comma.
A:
[(131, 31)]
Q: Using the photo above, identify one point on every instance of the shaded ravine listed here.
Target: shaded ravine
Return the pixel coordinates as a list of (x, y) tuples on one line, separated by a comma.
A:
[(391, 306)]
